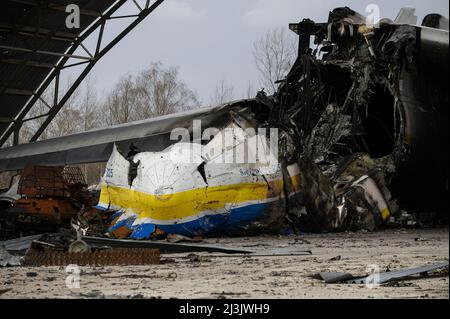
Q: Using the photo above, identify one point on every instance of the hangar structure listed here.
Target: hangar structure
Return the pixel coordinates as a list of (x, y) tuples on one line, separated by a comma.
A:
[(36, 45)]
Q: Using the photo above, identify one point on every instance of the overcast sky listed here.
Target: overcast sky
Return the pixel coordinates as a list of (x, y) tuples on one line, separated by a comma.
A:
[(212, 39)]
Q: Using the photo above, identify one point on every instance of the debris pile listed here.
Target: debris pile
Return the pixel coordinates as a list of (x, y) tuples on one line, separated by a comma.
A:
[(355, 128), (105, 257), (43, 199), (62, 249)]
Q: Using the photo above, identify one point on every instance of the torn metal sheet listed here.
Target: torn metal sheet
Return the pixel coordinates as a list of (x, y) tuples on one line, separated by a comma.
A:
[(406, 16), (175, 238), (18, 245), (380, 278), (62, 241), (335, 277), (164, 247)]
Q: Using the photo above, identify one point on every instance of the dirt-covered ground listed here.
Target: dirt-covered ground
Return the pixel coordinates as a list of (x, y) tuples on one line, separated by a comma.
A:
[(206, 276)]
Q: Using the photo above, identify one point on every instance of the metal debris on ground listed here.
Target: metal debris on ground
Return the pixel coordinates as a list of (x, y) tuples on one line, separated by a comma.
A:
[(173, 238), (51, 249), (105, 257), (7, 259), (164, 247), (59, 250), (380, 278), (21, 244), (46, 199)]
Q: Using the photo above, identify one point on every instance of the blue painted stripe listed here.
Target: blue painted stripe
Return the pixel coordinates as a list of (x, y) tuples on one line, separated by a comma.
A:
[(234, 222)]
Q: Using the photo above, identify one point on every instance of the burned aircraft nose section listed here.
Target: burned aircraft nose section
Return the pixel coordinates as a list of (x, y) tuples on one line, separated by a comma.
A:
[(232, 184)]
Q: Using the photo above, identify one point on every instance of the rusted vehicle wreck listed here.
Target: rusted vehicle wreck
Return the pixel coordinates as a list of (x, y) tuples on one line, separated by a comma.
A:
[(358, 128)]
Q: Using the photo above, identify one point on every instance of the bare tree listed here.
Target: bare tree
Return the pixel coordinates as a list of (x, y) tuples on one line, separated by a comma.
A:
[(89, 111), (250, 92), (89, 105), (160, 91), (274, 55), (223, 93), (69, 119), (153, 92), (120, 104), (66, 122)]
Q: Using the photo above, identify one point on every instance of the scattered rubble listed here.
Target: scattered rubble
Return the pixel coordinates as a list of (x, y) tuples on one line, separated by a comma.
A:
[(58, 250), (201, 280), (6, 259), (45, 199)]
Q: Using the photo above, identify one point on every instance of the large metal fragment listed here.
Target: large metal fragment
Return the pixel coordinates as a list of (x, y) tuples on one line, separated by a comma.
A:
[(104, 257), (163, 247), (60, 242), (20, 244), (380, 278)]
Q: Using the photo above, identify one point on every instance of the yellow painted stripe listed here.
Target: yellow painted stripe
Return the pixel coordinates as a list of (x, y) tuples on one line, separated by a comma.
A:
[(385, 214), (189, 203), (182, 205)]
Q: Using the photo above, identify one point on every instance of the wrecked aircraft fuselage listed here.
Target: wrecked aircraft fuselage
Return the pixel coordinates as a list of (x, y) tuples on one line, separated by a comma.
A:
[(234, 184), (351, 127), (362, 128), (231, 185), (388, 83), (373, 89)]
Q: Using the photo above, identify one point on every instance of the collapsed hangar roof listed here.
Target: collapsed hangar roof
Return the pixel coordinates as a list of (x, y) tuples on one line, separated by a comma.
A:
[(152, 135), (36, 45), (33, 38)]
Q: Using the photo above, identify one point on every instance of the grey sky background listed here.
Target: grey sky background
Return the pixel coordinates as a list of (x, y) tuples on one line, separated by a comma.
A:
[(213, 39)]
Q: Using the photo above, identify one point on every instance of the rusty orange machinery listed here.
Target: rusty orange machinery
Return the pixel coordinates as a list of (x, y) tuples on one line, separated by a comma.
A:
[(47, 210), (50, 197)]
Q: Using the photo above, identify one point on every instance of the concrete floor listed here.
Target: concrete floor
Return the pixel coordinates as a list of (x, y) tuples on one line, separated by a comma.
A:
[(213, 276)]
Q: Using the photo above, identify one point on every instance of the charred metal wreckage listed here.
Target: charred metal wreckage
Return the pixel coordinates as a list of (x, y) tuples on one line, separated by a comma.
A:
[(365, 112), (43, 199), (361, 128)]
